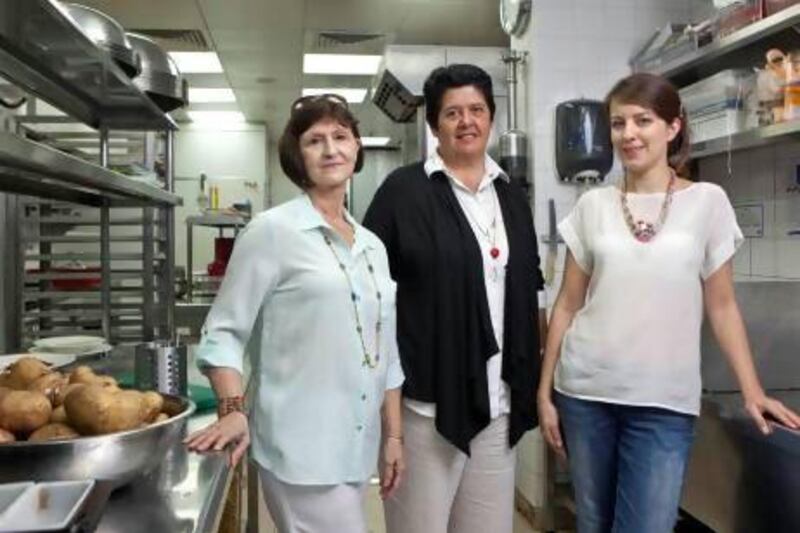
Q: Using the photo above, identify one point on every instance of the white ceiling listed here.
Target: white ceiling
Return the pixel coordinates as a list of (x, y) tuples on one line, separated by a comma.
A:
[(261, 42)]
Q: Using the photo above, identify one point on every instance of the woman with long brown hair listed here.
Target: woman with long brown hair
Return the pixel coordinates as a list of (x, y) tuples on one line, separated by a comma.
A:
[(645, 258)]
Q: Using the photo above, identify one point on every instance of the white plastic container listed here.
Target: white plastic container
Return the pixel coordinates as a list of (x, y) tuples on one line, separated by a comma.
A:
[(46, 506), (722, 123), (9, 492), (732, 88)]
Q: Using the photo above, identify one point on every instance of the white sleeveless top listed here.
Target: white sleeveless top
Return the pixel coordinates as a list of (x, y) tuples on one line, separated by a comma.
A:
[(636, 341)]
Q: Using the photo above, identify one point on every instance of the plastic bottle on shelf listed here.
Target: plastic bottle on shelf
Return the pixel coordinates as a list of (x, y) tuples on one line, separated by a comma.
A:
[(202, 198), (215, 197)]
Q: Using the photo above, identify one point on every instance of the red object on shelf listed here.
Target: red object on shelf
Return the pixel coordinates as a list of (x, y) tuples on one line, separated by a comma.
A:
[(223, 247), (737, 18), (773, 6), (78, 284)]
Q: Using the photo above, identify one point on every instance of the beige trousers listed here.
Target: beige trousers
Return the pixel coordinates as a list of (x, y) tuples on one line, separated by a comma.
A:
[(447, 491), (314, 508)]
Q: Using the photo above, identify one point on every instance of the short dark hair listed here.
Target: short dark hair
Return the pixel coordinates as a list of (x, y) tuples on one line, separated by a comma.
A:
[(453, 76), (659, 94), (306, 113)]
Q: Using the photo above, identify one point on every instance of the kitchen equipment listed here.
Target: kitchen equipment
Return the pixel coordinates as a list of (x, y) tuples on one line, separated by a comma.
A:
[(46, 506), (583, 141), (72, 344), (773, 6), (161, 366), (514, 142), (117, 458), (72, 282), (9, 492), (223, 248), (738, 15), (160, 78), (107, 34)]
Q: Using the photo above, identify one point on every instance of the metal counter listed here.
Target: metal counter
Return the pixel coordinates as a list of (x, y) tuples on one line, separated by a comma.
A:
[(739, 480), (185, 494)]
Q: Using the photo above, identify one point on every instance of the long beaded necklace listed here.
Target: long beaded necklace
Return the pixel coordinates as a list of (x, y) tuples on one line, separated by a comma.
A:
[(490, 235), (641, 230), (367, 360)]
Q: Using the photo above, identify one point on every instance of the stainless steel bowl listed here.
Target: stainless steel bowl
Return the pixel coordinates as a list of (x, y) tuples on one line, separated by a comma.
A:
[(107, 34), (118, 457), (160, 77)]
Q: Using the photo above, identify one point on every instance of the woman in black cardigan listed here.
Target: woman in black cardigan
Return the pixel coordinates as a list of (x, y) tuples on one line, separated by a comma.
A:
[(462, 250)]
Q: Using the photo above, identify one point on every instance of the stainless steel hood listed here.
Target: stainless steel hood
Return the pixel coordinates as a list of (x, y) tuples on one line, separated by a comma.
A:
[(397, 89)]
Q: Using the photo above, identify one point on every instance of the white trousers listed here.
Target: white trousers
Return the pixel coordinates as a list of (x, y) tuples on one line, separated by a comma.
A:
[(445, 490), (314, 508)]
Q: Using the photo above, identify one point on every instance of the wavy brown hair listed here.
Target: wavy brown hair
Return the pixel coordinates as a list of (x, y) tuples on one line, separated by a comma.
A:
[(660, 95)]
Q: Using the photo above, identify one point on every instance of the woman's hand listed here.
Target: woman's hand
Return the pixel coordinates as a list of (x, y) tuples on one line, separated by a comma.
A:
[(548, 423), (392, 465), (231, 428), (759, 404)]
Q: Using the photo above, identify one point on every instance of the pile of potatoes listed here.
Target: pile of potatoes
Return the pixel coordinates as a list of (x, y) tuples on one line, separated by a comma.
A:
[(38, 404)]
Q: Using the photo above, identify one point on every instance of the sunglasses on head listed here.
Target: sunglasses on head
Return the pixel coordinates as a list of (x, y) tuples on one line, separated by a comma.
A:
[(331, 97)]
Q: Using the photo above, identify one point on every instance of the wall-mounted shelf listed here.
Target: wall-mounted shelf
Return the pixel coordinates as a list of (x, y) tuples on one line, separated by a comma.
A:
[(741, 49), (42, 51), (747, 139), (31, 168)]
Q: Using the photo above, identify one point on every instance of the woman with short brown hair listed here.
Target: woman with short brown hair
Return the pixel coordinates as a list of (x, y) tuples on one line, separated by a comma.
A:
[(312, 288)]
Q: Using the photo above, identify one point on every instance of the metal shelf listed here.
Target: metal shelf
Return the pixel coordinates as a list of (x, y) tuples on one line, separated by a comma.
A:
[(84, 238), (217, 220), (30, 168), (92, 256), (46, 54), (741, 49), (746, 139)]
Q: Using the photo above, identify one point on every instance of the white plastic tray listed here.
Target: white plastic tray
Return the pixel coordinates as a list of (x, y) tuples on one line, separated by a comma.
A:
[(46, 506)]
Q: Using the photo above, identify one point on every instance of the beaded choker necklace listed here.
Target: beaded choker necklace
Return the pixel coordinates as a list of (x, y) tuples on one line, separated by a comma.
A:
[(366, 360), (641, 230)]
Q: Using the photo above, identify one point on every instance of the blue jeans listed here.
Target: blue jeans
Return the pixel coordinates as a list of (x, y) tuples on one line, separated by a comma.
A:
[(627, 464)]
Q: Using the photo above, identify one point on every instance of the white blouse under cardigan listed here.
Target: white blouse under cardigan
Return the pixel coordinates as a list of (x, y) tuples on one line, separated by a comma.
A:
[(636, 341)]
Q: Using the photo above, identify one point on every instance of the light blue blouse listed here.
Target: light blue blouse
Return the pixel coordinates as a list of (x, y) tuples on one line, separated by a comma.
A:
[(316, 417)]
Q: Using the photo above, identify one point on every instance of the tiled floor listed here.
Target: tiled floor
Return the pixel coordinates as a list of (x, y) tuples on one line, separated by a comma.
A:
[(375, 517)]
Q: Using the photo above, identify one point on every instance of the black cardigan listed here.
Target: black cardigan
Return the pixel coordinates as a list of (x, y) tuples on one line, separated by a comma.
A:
[(444, 330)]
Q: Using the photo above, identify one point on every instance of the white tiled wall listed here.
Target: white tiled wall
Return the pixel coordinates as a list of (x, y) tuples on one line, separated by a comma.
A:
[(763, 176)]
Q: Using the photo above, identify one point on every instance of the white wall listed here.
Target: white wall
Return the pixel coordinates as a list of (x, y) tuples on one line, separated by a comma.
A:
[(239, 151), (577, 48), (766, 179)]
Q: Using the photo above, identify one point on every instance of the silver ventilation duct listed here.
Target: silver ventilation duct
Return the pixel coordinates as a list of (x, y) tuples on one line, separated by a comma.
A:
[(397, 90)]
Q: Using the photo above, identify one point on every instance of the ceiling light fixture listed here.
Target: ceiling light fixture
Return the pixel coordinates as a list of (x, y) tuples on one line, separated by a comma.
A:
[(204, 96), (353, 96), (216, 117), (353, 64), (197, 62), (367, 142)]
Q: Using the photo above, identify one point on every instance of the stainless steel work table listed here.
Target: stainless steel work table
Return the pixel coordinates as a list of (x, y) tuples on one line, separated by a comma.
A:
[(185, 494), (738, 479)]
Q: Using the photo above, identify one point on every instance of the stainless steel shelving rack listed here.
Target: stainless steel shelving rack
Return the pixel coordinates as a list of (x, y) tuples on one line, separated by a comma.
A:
[(44, 53), (741, 49)]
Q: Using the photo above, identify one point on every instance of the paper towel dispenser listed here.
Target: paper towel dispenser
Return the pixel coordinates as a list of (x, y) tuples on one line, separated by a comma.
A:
[(583, 141)]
